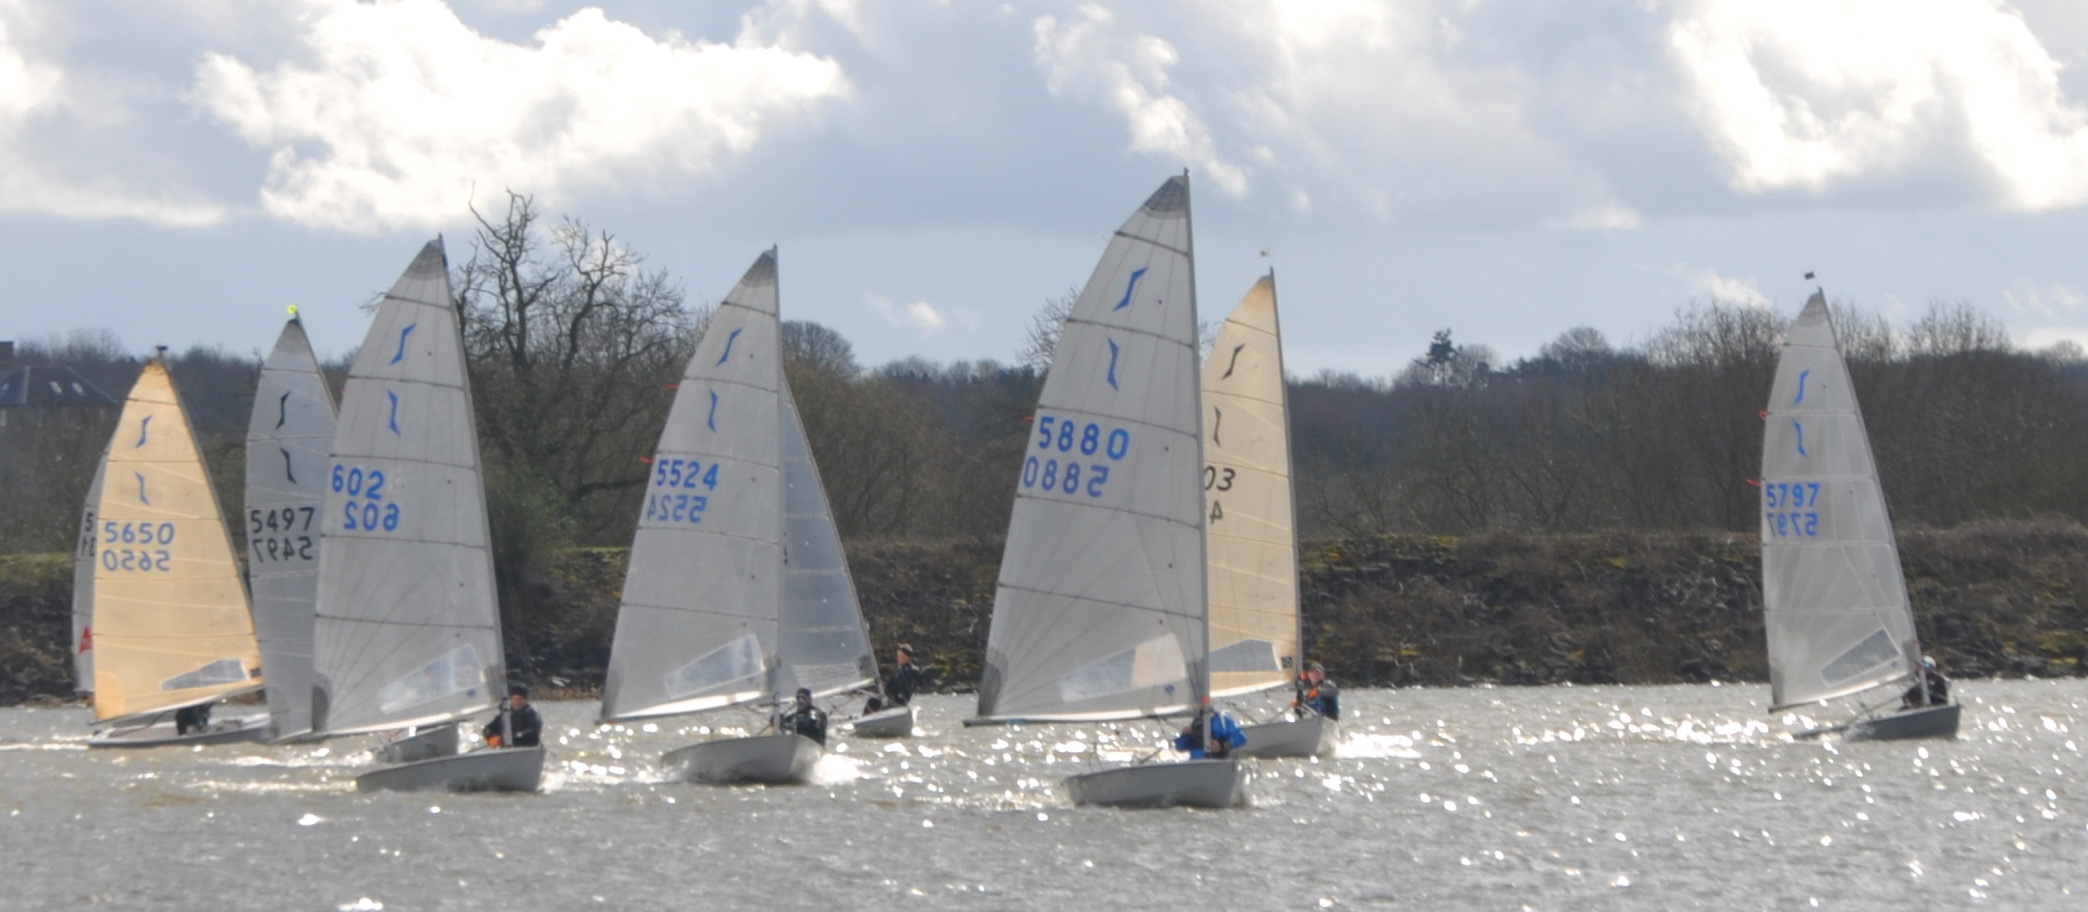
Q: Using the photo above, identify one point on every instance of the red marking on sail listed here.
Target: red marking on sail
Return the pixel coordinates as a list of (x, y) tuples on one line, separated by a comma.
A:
[(86, 639), (1755, 481)]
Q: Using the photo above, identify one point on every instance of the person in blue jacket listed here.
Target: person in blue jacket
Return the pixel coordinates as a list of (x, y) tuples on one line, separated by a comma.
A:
[(1225, 735)]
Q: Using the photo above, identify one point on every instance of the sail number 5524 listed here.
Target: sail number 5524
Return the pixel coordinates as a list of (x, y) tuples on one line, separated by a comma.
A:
[(1066, 474)]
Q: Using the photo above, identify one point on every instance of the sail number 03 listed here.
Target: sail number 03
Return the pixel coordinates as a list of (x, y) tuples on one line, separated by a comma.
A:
[(666, 503), (1061, 435), (1792, 508), (366, 510), (138, 559)]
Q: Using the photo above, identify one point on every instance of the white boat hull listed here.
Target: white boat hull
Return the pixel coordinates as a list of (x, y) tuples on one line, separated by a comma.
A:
[(162, 734), (494, 770), (1926, 722), (1312, 736), (770, 759), (897, 722), (440, 741), (1187, 783)]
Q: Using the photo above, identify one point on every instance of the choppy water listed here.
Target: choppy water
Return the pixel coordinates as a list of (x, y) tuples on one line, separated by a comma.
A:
[(1496, 798)]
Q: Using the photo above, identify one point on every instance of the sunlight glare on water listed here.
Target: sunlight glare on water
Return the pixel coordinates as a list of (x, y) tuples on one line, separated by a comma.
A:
[(1539, 798)]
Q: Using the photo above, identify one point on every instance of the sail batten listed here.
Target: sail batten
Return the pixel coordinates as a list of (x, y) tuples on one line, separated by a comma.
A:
[(1099, 610), (171, 623), (407, 624), (1834, 599)]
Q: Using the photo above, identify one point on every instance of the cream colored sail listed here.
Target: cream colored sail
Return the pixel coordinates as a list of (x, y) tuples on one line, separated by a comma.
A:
[(171, 622), (1247, 501)]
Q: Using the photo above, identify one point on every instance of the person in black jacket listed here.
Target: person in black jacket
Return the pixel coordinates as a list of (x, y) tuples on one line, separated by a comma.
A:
[(524, 727), (905, 676), (805, 719), (1938, 687), (1316, 693)]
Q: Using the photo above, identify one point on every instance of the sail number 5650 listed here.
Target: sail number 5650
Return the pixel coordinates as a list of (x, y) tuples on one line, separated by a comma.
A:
[(1069, 475)]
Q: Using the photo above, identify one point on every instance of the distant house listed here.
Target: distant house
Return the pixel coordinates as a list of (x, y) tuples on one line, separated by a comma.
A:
[(45, 387)]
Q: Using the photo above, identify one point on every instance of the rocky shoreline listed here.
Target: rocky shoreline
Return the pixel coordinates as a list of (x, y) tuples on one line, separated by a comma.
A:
[(1992, 599)]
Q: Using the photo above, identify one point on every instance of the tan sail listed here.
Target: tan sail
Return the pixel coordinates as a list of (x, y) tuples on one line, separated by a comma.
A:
[(1247, 501), (171, 622)]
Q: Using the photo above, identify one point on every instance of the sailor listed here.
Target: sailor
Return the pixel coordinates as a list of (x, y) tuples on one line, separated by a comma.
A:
[(806, 719), (1316, 693), (905, 676), (523, 722), (1938, 687), (1225, 735), (192, 719)]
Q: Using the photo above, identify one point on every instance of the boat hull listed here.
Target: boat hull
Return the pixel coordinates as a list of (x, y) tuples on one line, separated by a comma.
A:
[(1926, 722), (230, 731), (1187, 783), (494, 770), (897, 722), (1312, 736), (440, 741), (769, 759)]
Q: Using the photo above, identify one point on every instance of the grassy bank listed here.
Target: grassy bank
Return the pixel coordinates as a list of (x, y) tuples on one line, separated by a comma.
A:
[(1999, 598)]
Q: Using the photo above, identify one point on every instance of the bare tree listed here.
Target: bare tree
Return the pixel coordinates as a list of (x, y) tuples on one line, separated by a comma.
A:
[(1041, 340)]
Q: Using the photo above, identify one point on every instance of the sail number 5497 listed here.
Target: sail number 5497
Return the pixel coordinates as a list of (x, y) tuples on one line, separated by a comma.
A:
[(1067, 474)]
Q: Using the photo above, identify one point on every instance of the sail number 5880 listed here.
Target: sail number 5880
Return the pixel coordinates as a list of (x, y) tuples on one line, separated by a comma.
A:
[(1051, 473)]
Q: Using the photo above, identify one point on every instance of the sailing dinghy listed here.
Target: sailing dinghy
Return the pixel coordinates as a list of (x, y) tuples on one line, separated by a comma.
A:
[(84, 561), (1100, 611), (737, 586), (1256, 634), (171, 625), (406, 632), (288, 436), (1834, 602)]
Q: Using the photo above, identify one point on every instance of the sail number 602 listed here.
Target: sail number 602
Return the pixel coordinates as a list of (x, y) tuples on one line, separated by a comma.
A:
[(366, 510)]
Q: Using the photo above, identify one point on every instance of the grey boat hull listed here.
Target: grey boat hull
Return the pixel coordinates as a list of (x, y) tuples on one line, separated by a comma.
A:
[(440, 741), (1312, 736), (493, 770), (162, 734), (897, 722), (1926, 722), (769, 759), (1187, 783)]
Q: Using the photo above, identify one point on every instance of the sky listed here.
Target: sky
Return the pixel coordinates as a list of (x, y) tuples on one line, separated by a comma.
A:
[(932, 171)]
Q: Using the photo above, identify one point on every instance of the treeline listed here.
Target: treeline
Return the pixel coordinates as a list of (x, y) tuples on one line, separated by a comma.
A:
[(575, 348)]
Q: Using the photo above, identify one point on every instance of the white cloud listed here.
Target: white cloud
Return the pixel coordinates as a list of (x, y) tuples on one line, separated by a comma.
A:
[(1086, 55), (1707, 284), (1601, 218), (398, 112), (920, 315), (1807, 94), (37, 99), (2051, 302)]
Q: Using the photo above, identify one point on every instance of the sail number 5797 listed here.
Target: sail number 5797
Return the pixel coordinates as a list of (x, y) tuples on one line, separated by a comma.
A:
[(1055, 468)]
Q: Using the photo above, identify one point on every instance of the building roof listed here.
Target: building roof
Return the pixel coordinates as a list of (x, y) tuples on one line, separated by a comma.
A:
[(51, 386)]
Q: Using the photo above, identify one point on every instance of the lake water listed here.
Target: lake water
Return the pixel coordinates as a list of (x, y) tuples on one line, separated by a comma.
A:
[(1484, 798)]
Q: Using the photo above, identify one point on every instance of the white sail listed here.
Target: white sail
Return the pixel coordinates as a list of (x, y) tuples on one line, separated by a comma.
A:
[(83, 582), (1100, 612), (287, 476), (407, 627), (698, 625), (1247, 489), (1835, 603), (822, 638), (171, 623)]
